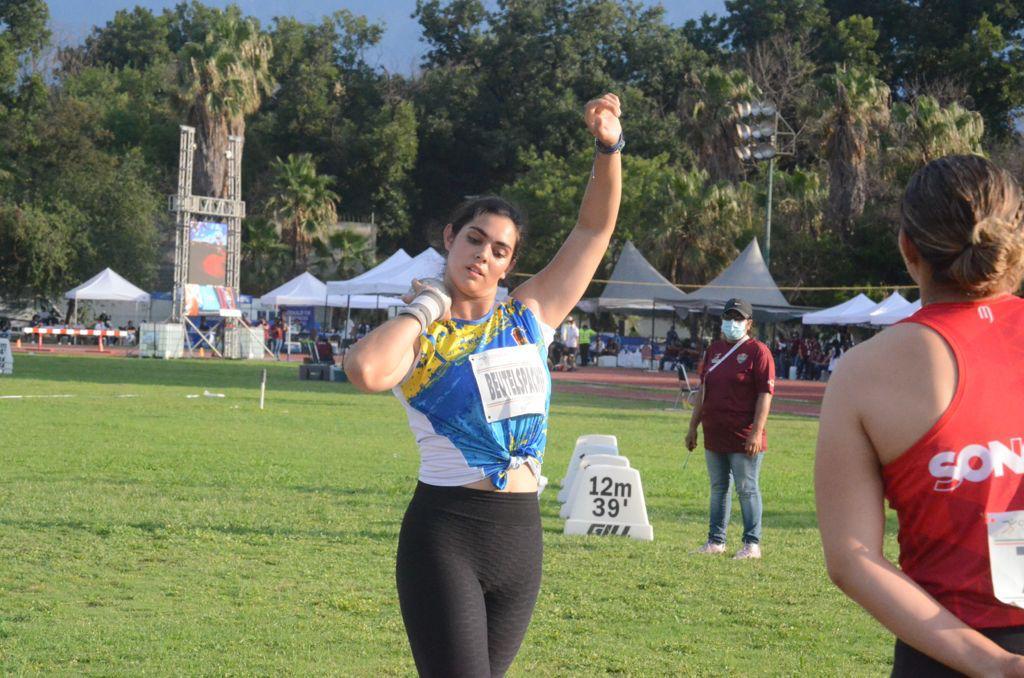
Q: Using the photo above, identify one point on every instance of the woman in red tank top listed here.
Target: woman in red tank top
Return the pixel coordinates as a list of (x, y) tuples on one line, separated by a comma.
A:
[(929, 415)]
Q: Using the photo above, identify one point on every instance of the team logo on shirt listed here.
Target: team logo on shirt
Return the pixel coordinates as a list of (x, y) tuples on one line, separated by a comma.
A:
[(976, 463), (985, 313), (742, 358)]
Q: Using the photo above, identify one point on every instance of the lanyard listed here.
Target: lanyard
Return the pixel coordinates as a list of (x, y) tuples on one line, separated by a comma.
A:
[(724, 357)]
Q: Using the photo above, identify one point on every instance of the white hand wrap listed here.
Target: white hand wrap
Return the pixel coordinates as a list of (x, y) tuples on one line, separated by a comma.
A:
[(430, 304)]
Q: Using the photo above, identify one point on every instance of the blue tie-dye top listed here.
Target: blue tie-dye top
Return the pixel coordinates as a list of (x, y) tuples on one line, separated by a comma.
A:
[(443, 388)]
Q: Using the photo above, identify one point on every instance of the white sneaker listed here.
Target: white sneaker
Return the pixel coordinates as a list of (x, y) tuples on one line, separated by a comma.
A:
[(712, 548), (748, 551)]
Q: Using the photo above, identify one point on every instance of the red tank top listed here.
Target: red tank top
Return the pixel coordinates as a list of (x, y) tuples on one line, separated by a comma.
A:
[(947, 487)]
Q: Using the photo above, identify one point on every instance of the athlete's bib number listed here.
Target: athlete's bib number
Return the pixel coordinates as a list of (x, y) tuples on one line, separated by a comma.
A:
[(1006, 555), (512, 381)]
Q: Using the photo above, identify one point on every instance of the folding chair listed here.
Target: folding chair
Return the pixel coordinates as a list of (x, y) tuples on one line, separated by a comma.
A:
[(684, 385)]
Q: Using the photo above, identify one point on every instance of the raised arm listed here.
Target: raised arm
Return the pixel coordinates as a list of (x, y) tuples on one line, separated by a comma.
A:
[(555, 290)]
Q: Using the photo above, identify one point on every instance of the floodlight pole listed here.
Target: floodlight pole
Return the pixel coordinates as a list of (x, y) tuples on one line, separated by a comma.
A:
[(768, 218)]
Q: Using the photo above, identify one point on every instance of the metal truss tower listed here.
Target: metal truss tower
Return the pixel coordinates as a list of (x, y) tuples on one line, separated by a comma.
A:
[(189, 208)]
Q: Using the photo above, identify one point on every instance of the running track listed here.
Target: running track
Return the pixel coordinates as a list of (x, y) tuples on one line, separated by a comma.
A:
[(791, 397)]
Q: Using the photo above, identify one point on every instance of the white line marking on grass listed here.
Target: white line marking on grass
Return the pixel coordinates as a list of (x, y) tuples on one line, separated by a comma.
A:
[(19, 397), (64, 395)]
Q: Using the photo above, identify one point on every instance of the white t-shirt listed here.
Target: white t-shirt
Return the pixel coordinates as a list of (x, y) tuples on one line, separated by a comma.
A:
[(571, 335)]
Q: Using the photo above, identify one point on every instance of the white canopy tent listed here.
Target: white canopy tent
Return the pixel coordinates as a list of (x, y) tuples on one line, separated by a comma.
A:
[(894, 302), (383, 285), (894, 315), (369, 282), (302, 290), (426, 264), (107, 285), (362, 301), (834, 314)]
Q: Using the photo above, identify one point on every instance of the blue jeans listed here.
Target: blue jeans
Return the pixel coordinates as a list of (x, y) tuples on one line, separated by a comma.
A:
[(722, 470)]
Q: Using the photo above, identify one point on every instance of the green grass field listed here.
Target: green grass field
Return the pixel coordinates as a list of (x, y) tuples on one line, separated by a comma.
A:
[(144, 532)]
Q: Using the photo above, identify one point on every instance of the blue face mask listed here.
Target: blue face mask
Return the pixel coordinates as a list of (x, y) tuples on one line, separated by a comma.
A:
[(734, 330)]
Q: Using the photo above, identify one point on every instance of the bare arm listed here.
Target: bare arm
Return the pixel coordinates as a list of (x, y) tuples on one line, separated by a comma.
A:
[(553, 292), (851, 518), (698, 409), (761, 409), (695, 418), (381, 359)]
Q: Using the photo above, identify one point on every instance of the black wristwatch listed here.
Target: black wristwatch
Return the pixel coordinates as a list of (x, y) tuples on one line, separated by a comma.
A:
[(610, 150)]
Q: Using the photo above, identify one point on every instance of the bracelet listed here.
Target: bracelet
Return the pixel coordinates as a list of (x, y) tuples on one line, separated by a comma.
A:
[(611, 150)]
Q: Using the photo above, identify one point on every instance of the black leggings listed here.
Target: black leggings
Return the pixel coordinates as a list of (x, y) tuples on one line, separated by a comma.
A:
[(468, 573), (910, 663)]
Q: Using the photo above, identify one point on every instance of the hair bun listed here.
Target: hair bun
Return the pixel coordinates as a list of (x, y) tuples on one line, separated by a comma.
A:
[(964, 214), (990, 228)]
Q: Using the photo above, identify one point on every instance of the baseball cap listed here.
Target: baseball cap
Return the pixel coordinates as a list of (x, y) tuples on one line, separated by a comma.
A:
[(740, 306)]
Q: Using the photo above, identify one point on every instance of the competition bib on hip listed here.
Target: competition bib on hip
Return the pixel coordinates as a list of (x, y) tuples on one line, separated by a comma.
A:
[(1006, 555), (512, 381)]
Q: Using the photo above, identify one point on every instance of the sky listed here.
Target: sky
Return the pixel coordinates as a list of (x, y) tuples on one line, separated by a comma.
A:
[(399, 51)]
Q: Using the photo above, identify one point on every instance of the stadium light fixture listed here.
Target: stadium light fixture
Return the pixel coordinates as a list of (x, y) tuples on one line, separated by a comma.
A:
[(761, 134)]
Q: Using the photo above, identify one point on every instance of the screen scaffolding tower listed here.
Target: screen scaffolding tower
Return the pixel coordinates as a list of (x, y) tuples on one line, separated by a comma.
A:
[(189, 208)]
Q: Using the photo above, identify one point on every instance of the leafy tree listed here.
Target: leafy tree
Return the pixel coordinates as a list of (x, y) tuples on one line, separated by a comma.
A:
[(977, 44), (265, 259), (302, 206), (223, 74), (750, 22), (859, 112), (36, 249), (23, 33), (687, 224), (706, 110), (925, 130), (357, 122), (342, 255), (134, 38)]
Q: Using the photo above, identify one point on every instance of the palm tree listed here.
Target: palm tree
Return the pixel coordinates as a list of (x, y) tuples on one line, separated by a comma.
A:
[(706, 111), (860, 110), (302, 204), (222, 78), (927, 131), (345, 254), (265, 259), (701, 222)]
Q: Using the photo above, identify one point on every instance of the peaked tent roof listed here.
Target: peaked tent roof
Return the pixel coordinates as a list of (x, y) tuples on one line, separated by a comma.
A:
[(304, 289), (892, 303), (747, 277), (895, 315), (636, 285), (833, 315), (395, 280), (107, 285), (367, 282)]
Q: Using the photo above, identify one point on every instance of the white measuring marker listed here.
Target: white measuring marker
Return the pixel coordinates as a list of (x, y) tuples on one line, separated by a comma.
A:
[(594, 443), (610, 501)]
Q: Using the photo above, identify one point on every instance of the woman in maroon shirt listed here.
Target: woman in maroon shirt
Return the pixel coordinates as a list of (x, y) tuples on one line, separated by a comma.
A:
[(737, 382)]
